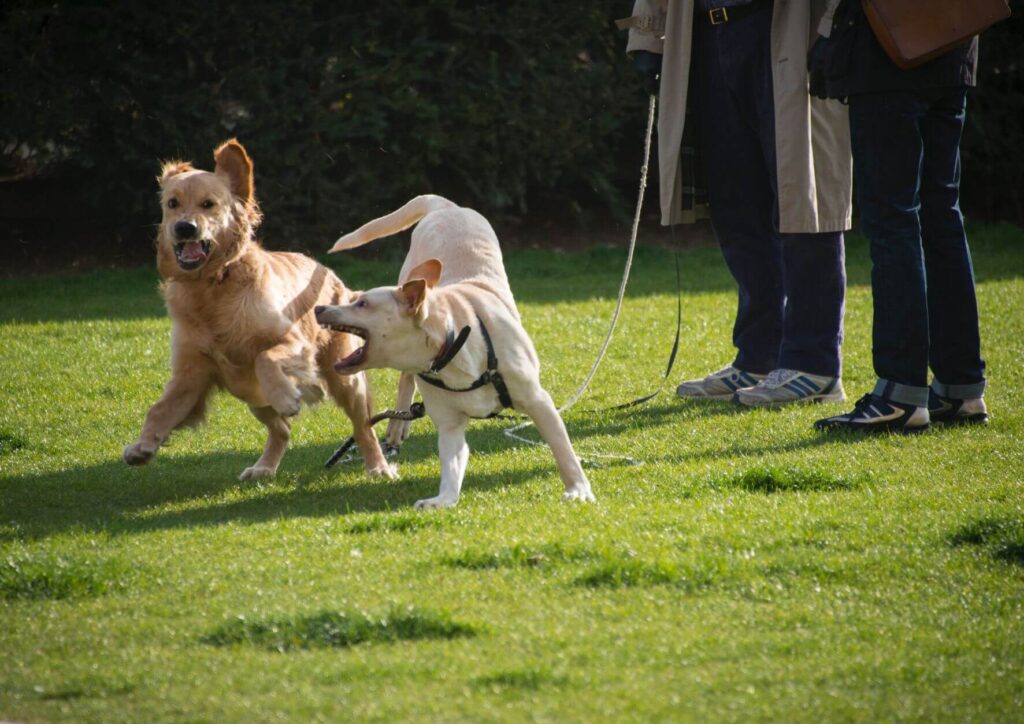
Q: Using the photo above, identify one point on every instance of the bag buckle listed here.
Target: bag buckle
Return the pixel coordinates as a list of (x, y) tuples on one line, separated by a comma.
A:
[(717, 16)]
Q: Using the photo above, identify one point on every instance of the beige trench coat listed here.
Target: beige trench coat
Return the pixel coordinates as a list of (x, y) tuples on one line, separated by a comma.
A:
[(812, 136)]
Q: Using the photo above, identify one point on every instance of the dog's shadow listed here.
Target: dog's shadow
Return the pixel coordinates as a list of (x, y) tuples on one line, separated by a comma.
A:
[(184, 491)]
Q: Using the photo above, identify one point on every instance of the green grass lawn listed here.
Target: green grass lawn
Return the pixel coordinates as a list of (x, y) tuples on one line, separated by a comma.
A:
[(741, 567)]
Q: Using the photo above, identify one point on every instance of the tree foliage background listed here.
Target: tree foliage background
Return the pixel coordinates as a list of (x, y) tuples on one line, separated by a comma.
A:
[(521, 109)]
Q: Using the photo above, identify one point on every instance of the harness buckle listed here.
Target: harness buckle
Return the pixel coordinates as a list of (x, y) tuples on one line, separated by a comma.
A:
[(717, 16)]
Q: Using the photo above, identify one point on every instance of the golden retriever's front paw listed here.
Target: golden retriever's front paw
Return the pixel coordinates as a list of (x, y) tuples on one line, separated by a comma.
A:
[(287, 401), (138, 454), (257, 472), (398, 431), (383, 470), (312, 394)]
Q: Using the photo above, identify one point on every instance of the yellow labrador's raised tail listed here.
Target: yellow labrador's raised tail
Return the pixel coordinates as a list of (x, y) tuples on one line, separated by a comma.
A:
[(398, 220)]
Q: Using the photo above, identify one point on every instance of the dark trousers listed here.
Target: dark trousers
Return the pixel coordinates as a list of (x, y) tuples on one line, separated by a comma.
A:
[(906, 155), (791, 286)]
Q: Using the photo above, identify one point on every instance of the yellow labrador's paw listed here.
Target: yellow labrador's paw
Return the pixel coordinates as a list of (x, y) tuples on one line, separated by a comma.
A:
[(257, 472), (582, 493), (438, 502), (383, 470), (137, 454)]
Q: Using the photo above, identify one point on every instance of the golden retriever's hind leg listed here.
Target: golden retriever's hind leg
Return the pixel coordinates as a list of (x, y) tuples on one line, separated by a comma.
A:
[(352, 393), (279, 433)]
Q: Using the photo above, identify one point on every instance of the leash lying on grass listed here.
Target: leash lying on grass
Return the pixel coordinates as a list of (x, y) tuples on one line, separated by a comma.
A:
[(417, 410)]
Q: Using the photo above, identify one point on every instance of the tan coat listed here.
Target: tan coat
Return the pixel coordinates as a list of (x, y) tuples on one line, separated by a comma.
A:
[(812, 136)]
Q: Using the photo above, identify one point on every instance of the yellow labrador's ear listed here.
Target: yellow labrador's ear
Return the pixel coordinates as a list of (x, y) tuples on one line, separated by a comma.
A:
[(234, 163), (414, 292), (172, 168), (429, 271)]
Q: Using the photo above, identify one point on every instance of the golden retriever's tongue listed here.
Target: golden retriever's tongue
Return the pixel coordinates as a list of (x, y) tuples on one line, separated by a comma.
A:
[(192, 251)]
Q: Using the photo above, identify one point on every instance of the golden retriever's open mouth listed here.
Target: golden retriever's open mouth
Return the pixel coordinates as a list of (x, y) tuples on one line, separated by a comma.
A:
[(192, 254), (357, 357)]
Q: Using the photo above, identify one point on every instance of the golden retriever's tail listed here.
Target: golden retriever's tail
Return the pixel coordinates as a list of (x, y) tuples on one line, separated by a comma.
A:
[(394, 222)]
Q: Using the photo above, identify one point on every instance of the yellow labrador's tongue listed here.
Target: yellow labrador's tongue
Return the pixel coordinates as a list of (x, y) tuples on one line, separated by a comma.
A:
[(192, 251), (351, 360)]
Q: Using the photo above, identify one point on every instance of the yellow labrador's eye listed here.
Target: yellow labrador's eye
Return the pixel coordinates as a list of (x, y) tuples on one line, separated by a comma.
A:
[(360, 303), (172, 203), (208, 204)]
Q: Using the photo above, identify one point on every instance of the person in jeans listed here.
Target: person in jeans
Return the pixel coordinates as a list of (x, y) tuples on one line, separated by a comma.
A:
[(777, 169), (905, 130)]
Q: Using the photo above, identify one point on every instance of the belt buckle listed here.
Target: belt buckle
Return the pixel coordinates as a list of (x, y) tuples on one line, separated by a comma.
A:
[(717, 16)]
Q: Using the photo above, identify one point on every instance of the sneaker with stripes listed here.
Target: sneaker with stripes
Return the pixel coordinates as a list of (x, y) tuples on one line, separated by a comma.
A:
[(951, 411), (783, 387), (721, 385), (875, 414)]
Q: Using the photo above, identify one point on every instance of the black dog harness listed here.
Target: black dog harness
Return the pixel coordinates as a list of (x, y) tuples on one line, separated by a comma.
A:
[(452, 344), (491, 376)]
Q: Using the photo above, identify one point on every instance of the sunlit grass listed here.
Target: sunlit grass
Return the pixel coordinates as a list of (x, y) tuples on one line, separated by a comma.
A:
[(736, 566)]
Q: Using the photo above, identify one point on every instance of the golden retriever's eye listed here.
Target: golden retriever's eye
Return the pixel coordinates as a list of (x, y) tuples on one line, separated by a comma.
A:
[(172, 203), (208, 204)]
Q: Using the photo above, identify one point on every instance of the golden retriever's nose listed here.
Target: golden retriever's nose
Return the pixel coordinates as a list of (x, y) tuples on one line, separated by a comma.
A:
[(185, 229)]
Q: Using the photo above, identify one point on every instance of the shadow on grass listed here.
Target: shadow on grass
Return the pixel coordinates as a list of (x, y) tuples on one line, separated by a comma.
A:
[(338, 629), (691, 412), (1003, 537), (203, 490)]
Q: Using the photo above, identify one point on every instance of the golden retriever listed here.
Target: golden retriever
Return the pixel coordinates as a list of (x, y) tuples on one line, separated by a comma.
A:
[(242, 317)]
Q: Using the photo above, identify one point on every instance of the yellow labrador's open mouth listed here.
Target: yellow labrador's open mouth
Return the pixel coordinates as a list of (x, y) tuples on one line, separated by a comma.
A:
[(357, 357)]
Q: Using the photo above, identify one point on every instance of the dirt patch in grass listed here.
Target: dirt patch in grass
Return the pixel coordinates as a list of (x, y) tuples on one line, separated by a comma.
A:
[(338, 629)]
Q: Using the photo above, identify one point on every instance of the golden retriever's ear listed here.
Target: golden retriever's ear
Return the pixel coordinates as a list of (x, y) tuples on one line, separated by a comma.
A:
[(172, 168), (234, 163), (429, 271), (414, 292)]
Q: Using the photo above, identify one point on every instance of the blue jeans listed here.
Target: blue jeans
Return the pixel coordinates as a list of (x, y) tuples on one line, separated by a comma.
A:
[(906, 155), (792, 287)]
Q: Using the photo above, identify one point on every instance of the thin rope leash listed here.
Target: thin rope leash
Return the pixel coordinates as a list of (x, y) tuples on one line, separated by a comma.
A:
[(511, 432)]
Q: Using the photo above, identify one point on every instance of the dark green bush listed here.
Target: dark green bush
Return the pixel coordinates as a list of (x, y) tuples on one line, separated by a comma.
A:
[(347, 109)]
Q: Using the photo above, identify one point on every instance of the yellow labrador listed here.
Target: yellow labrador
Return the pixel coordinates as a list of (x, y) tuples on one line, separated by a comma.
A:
[(452, 328)]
